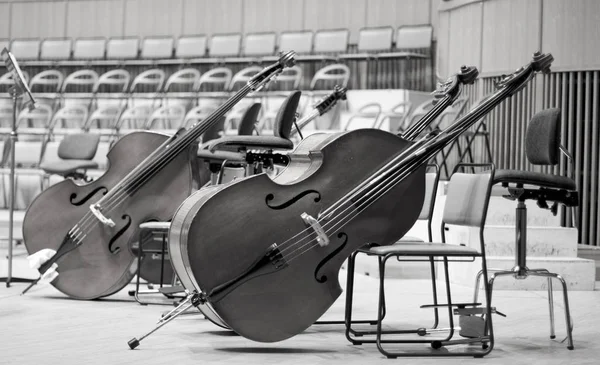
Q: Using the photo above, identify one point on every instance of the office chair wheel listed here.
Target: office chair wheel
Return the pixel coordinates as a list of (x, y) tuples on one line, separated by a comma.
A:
[(436, 345)]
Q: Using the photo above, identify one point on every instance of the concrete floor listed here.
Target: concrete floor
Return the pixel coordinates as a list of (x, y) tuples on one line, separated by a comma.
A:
[(45, 327)]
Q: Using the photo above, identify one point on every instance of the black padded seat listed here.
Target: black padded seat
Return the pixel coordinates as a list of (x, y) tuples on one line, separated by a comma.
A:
[(220, 156), (67, 167), (424, 249), (262, 142), (534, 178), (281, 132)]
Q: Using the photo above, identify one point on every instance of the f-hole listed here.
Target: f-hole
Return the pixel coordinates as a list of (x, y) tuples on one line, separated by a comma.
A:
[(323, 278), (83, 200), (115, 250), (286, 204)]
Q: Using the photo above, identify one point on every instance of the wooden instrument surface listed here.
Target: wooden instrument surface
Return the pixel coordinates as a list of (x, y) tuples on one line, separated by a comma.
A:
[(91, 270), (232, 226)]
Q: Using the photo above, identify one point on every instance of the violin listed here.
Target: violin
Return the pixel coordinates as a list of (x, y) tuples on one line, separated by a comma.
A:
[(91, 226), (301, 191)]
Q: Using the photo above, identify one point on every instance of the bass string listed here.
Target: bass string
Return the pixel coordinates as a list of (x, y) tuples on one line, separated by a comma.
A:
[(434, 112), (89, 219), (458, 126), (414, 130)]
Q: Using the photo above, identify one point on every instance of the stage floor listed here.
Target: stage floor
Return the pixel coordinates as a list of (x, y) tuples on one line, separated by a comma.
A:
[(45, 327)]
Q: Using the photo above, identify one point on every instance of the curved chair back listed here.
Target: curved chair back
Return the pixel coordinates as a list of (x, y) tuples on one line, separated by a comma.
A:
[(153, 79), (135, 117), (216, 78), (70, 116), (49, 80), (104, 117), (7, 79), (39, 117), (187, 77), (248, 120), (243, 76), (286, 115), (81, 79), (543, 138), (166, 117), (196, 114), (119, 78), (336, 74), (288, 79)]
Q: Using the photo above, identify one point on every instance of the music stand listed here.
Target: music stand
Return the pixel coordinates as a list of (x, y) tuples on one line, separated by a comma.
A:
[(19, 88)]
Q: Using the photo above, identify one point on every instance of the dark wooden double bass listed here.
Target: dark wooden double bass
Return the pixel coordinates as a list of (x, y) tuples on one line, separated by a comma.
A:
[(91, 226), (263, 242)]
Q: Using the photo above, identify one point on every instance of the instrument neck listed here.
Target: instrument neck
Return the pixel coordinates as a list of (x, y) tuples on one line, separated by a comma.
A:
[(304, 121), (415, 129)]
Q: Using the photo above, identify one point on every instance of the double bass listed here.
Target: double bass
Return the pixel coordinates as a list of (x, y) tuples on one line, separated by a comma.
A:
[(92, 226), (182, 234), (269, 267)]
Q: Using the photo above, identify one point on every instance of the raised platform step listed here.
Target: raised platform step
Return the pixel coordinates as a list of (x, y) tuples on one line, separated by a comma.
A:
[(578, 273), (500, 240), (17, 224)]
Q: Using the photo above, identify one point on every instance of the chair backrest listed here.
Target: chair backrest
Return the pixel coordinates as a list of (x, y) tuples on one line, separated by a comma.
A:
[(225, 45), (167, 117), (118, 77), (243, 76), (122, 48), (78, 146), (375, 39), (338, 74), (214, 131), (331, 41), (543, 138), (153, 78), (39, 117), (135, 117), (89, 49), (259, 44), (51, 79), (7, 78), (216, 77), (196, 114), (70, 116), (467, 199), (248, 120), (286, 115), (191, 47), (157, 48), (288, 79), (431, 184), (104, 117), (414, 37), (187, 77), (300, 42), (80, 79), (25, 49), (55, 49)]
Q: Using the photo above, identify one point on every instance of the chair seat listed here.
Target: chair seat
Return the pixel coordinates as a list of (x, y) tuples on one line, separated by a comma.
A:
[(66, 167), (265, 142), (424, 249), (221, 156), (156, 226), (534, 178)]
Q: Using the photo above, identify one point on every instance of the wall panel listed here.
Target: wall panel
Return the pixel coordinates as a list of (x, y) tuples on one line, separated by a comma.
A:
[(570, 33), (443, 44), (273, 15), (464, 38), (92, 18), (331, 14), (394, 12), (4, 21), (38, 19), (511, 33), (153, 17), (209, 16)]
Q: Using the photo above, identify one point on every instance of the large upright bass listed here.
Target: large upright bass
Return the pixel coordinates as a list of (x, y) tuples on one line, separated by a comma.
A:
[(269, 267), (91, 226)]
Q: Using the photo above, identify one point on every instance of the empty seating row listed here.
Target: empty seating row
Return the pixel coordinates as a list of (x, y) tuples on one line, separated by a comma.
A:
[(155, 80), (231, 47)]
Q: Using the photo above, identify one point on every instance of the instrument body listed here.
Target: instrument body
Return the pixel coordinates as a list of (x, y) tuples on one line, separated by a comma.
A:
[(91, 270), (273, 306)]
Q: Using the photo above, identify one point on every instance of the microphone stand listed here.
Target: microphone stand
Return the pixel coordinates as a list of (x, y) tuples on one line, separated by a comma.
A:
[(16, 90)]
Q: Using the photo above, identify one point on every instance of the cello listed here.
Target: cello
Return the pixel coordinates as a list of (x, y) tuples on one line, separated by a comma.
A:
[(91, 226), (269, 268)]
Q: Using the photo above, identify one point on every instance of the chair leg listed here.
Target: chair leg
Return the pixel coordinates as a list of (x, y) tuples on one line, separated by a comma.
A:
[(551, 308), (436, 317)]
